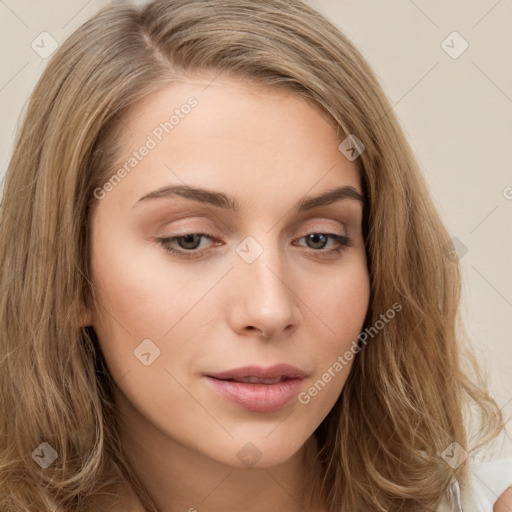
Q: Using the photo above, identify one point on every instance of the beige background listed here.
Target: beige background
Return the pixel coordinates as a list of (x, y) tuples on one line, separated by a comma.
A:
[(456, 112)]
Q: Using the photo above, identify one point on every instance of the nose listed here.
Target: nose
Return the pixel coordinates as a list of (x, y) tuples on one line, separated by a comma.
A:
[(262, 297)]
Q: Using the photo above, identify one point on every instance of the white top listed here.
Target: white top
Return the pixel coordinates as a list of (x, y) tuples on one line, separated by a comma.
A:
[(486, 482)]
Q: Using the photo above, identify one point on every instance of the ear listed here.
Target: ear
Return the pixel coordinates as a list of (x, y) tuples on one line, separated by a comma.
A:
[(84, 317)]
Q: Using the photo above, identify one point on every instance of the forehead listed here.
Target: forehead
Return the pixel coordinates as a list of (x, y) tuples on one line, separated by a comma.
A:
[(233, 134), (224, 102)]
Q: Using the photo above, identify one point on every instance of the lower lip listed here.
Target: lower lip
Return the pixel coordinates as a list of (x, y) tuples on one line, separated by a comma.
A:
[(258, 397)]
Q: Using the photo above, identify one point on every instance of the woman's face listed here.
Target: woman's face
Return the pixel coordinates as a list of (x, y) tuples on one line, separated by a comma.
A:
[(274, 262)]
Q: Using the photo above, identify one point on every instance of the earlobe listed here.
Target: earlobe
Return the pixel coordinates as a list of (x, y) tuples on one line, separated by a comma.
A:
[(84, 317)]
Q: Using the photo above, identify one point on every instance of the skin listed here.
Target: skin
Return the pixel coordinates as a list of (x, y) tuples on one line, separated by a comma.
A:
[(268, 149), (504, 503)]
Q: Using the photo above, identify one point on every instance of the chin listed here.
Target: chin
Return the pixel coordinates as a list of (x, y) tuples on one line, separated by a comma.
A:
[(264, 451)]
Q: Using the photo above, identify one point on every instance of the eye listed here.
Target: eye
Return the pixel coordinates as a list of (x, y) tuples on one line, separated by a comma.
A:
[(187, 245), (316, 239)]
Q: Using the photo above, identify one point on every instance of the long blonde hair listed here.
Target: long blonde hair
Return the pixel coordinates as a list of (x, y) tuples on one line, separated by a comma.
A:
[(403, 403)]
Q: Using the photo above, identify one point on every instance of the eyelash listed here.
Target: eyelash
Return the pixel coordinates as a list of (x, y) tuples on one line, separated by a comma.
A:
[(342, 241)]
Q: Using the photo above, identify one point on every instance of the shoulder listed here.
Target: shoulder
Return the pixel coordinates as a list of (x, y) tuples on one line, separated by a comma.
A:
[(504, 503), (488, 487)]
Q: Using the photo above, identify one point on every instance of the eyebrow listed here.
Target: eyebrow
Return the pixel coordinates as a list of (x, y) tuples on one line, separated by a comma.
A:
[(221, 200)]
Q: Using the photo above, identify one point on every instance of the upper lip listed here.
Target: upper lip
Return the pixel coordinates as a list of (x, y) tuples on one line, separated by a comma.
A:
[(272, 372)]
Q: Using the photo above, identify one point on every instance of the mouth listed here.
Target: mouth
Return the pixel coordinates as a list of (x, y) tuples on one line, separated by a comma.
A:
[(259, 389), (257, 374), (256, 380)]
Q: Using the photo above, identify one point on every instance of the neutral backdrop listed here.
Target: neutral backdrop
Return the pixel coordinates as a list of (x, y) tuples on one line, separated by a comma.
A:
[(454, 103)]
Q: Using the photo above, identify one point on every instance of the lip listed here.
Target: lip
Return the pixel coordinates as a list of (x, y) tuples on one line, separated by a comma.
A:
[(258, 397), (272, 372)]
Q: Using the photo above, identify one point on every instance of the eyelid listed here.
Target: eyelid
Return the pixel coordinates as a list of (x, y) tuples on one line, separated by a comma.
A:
[(201, 221), (322, 224), (195, 229)]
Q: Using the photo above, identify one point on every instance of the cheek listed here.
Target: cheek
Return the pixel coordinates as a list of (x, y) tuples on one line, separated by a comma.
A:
[(341, 311), (142, 296), (138, 287), (341, 300)]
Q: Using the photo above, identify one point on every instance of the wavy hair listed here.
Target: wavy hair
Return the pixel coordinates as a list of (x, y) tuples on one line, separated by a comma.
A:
[(405, 397)]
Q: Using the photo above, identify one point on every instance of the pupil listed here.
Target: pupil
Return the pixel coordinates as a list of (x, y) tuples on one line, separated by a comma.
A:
[(189, 239), (316, 235)]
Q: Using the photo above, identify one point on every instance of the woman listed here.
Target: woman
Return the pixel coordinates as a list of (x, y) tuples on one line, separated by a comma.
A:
[(236, 291)]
